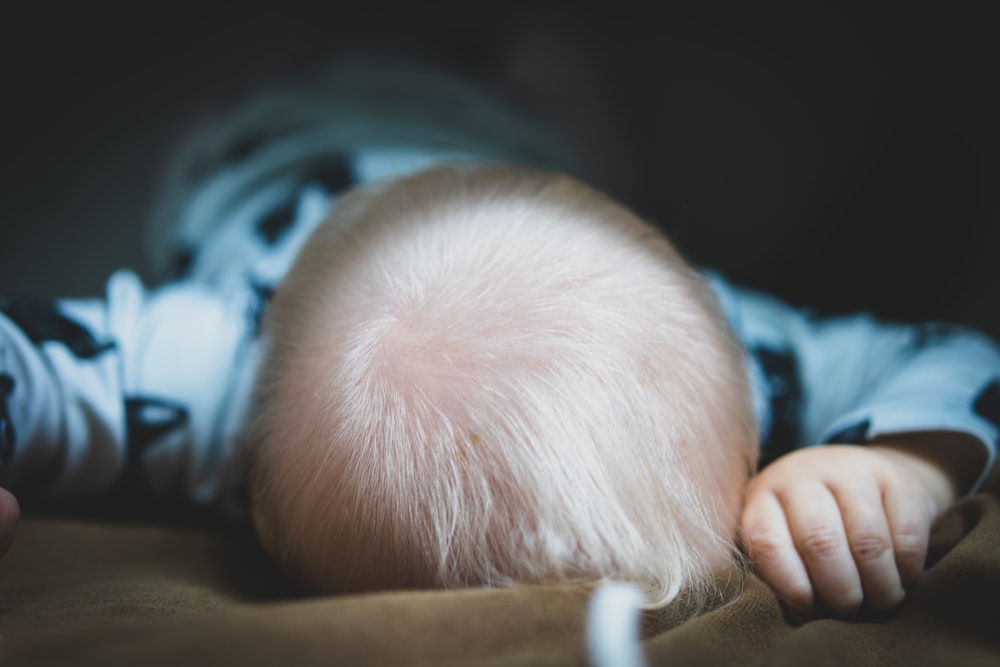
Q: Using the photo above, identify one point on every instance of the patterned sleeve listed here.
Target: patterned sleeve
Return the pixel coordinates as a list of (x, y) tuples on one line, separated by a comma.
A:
[(140, 384), (854, 378)]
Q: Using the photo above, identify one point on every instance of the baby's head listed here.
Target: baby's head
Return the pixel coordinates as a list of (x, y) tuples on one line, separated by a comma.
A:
[(484, 375)]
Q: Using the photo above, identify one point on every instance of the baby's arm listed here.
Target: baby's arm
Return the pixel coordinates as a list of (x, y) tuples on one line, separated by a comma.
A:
[(837, 526), (909, 418), (61, 409), (140, 384)]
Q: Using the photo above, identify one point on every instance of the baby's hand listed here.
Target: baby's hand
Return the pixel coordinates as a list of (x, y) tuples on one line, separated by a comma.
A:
[(836, 526)]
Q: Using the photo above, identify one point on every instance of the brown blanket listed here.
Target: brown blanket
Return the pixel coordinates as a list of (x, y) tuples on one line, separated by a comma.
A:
[(87, 593)]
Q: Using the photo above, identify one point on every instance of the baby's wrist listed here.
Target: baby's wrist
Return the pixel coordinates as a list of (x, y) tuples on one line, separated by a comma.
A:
[(947, 462)]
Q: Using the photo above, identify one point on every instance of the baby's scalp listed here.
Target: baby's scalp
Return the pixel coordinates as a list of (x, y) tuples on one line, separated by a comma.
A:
[(487, 375)]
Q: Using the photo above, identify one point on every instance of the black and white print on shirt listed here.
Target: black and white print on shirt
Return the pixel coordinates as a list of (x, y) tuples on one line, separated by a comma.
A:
[(784, 394), (8, 436), (335, 175), (148, 420), (987, 404), (855, 434), (933, 333), (42, 321), (269, 228)]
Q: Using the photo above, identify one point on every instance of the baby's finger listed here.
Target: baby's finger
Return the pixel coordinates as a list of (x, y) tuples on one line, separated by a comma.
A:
[(769, 545), (871, 544), (909, 526), (818, 531)]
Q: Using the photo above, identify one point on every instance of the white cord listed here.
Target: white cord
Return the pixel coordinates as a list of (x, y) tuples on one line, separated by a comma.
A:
[(613, 626)]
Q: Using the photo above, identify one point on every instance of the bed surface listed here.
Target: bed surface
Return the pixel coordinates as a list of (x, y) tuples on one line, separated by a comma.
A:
[(87, 592)]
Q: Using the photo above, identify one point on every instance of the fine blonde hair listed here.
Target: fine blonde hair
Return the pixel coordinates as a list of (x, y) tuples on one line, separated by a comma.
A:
[(488, 375)]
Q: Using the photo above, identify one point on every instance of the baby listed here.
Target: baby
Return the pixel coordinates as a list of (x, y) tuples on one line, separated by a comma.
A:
[(481, 375), (486, 376)]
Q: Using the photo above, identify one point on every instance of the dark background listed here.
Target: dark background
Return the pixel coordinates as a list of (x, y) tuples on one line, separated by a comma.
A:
[(843, 158)]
